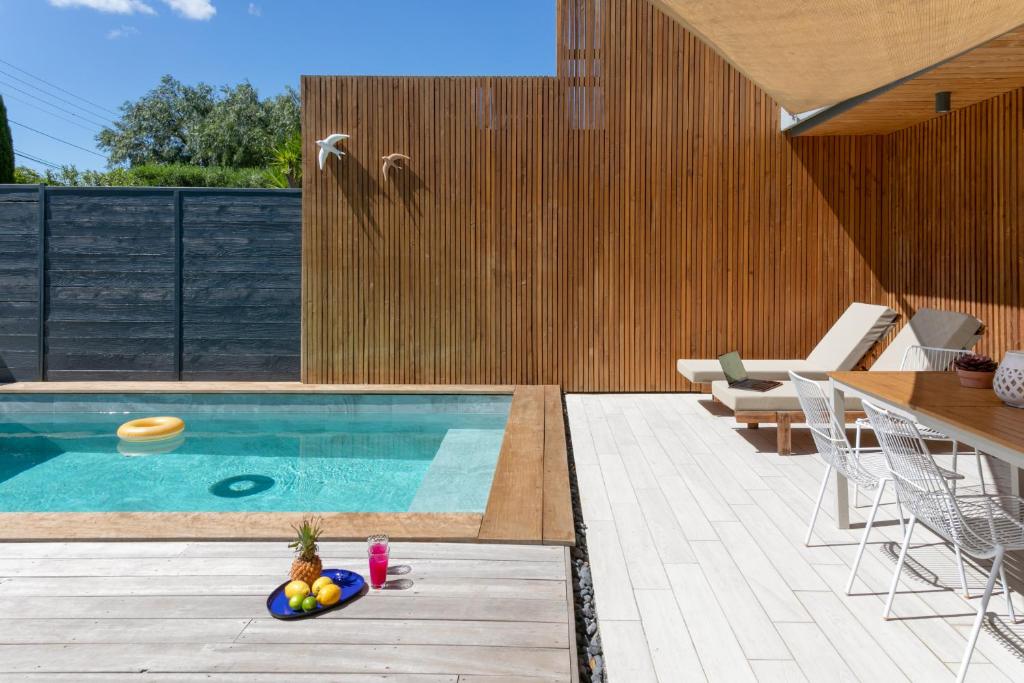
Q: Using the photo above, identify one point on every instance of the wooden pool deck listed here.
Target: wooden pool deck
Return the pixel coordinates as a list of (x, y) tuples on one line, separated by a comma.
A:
[(695, 531), (189, 611), (529, 500)]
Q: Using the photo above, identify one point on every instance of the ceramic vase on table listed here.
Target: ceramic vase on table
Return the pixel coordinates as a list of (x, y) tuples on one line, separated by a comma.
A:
[(1009, 380)]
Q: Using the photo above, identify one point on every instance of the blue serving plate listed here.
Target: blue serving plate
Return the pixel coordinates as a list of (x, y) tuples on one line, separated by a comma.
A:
[(351, 585)]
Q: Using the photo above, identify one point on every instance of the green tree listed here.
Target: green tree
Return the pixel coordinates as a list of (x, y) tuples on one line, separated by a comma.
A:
[(286, 168), (179, 124), (158, 126), (23, 175), (6, 147)]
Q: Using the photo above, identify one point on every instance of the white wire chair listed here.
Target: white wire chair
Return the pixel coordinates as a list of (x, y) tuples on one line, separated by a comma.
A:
[(865, 467), (932, 359), (984, 526)]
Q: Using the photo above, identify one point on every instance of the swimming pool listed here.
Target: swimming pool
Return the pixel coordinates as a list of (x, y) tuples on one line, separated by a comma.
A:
[(252, 453)]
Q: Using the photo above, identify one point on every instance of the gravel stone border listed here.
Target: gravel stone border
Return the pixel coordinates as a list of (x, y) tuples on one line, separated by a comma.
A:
[(588, 632)]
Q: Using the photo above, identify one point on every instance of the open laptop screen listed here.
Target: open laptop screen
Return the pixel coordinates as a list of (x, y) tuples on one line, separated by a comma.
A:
[(732, 366)]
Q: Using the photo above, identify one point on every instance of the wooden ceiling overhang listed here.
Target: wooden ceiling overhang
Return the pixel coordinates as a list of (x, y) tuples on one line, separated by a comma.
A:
[(984, 72)]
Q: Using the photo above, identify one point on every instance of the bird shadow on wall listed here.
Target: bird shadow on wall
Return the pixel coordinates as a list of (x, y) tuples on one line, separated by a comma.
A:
[(360, 187), (409, 186)]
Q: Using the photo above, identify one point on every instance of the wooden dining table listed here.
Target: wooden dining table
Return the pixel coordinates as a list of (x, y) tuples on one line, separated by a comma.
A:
[(976, 417)]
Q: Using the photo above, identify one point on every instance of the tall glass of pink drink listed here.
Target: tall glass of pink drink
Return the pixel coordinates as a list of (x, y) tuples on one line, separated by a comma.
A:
[(378, 549)]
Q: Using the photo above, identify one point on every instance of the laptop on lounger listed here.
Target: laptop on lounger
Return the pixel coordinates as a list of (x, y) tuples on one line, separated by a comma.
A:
[(736, 374)]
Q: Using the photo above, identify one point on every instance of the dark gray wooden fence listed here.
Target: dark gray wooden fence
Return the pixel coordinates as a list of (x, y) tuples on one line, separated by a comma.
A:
[(149, 283)]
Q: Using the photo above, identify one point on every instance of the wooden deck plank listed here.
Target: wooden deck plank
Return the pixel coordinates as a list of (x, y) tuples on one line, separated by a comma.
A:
[(201, 606), (409, 632), (515, 508), (293, 657), (269, 526), (558, 526), (256, 585), (242, 566)]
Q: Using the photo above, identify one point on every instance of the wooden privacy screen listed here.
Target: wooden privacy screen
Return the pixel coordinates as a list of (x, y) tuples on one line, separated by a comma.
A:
[(584, 230)]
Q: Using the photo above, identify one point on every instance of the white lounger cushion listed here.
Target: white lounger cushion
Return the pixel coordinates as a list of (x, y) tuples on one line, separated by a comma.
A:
[(779, 399), (703, 370), (852, 335), (930, 327)]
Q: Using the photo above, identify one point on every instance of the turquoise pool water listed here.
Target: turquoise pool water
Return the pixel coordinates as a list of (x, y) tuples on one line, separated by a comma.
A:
[(252, 452)]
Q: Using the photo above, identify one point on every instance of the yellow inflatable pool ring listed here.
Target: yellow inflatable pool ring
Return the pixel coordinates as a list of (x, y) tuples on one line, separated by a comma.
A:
[(151, 428)]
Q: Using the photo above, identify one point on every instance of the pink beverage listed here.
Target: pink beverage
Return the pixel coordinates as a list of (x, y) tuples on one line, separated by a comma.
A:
[(378, 569), (378, 548)]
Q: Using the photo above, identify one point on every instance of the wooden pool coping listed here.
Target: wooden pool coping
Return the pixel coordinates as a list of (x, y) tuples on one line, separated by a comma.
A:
[(529, 500)]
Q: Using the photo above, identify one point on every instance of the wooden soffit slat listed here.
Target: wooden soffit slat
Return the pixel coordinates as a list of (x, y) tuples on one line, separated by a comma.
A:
[(809, 54), (987, 71)]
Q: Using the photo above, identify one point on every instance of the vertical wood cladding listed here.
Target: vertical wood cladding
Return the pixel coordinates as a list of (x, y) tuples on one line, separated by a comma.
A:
[(588, 229)]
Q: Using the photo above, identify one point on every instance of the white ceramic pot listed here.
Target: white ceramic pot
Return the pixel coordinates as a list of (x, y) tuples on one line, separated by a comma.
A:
[(1009, 380)]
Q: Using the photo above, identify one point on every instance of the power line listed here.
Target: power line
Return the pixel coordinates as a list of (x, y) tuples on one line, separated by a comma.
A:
[(51, 95), (36, 106), (50, 104), (56, 138), (36, 159), (68, 92)]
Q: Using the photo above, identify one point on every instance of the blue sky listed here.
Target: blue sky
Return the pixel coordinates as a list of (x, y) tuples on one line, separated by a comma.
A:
[(109, 51)]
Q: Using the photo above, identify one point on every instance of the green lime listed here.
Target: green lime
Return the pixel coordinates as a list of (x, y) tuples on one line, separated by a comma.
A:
[(308, 603), (295, 602)]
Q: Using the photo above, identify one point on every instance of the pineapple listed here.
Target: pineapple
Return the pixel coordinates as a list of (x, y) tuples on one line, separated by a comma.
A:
[(307, 565)]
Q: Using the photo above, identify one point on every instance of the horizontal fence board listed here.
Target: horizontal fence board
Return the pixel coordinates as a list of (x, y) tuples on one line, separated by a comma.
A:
[(251, 330), (111, 264), (102, 330)]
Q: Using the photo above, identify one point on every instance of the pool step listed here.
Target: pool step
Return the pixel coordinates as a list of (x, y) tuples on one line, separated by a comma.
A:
[(459, 477)]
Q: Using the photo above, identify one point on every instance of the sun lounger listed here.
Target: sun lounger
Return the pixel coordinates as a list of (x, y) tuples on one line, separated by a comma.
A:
[(842, 347), (780, 406)]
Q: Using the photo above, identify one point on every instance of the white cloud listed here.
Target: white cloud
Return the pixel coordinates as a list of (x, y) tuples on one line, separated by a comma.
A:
[(200, 10), (112, 6), (193, 9), (121, 32), (255, 10)]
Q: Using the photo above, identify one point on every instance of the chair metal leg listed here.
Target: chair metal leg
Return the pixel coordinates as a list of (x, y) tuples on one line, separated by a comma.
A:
[(899, 567), (864, 538), (856, 449), (817, 505), (981, 470), (1009, 595), (965, 591), (956, 452), (899, 511), (997, 564)]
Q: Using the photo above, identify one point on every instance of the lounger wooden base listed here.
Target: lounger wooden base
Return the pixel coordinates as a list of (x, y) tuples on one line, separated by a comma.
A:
[(783, 421)]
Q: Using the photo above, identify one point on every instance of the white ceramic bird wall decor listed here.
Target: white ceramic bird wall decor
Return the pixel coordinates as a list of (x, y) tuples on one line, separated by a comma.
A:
[(328, 146), (391, 161)]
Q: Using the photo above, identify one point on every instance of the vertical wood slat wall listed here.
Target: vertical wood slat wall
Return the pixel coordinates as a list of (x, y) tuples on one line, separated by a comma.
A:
[(954, 233), (587, 230)]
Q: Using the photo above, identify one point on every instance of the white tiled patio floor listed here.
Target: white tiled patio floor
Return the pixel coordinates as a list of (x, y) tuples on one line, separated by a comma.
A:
[(695, 532)]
